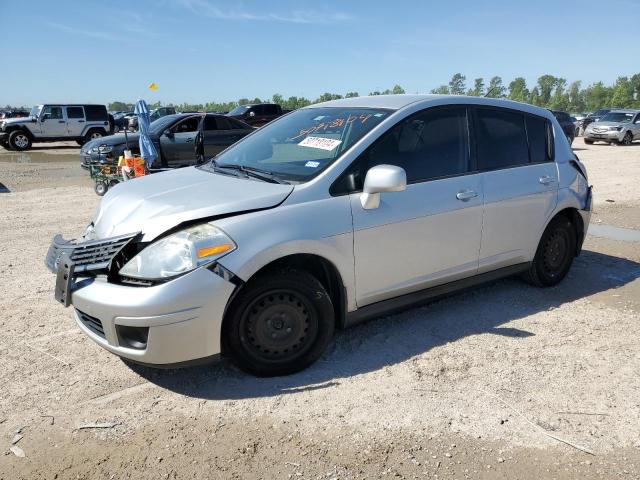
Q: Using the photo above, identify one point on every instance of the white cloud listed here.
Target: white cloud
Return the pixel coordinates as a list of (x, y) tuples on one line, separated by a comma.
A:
[(203, 7), (86, 33)]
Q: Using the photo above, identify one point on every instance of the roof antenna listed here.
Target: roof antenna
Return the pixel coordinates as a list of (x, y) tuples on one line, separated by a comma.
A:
[(489, 92)]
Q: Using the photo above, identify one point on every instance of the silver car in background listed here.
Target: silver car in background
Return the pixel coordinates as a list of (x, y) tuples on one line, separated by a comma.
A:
[(616, 127), (330, 215)]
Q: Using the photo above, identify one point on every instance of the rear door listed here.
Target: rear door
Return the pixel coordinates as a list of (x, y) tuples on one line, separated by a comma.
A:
[(219, 134), (520, 181), (430, 233), (75, 121)]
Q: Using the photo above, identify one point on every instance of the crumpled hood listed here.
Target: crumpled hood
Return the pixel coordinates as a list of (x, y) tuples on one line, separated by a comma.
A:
[(158, 202), (116, 139), (16, 121)]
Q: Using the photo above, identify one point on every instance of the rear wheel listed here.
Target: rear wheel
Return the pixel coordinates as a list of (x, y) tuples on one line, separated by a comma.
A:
[(554, 255), (92, 135), (279, 324), (19, 140), (628, 139), (588, 141)]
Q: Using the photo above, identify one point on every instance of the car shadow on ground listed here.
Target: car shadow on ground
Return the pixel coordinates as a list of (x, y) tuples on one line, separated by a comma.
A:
[(396, 338)]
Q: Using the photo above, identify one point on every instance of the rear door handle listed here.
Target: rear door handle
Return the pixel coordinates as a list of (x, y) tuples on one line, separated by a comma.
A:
[(546, 180), (466, 195), (188, 140)]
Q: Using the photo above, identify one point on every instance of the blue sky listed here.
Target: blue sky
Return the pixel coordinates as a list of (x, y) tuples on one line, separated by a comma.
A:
[(211, 50)]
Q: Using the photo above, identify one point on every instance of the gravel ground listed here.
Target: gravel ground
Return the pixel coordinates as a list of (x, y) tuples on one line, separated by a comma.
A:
[(505, 381)]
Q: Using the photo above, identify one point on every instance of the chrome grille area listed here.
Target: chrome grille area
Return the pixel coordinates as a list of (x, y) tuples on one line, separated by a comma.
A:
[(91, 323)]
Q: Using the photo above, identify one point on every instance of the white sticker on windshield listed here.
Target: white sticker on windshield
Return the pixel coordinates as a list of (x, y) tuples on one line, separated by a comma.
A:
[(320, 142), (312, 164)]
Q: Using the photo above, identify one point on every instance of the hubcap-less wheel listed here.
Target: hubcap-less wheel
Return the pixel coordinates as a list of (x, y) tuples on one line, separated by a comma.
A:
[(628, 139), (554, 256), (277, 326), (101, 188), (95, 135)]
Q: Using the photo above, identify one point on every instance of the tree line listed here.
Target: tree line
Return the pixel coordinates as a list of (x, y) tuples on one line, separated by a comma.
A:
[(549, 91)]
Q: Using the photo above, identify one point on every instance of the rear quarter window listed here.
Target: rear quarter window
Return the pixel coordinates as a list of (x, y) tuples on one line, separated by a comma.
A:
[(538, 135), (96, 113)]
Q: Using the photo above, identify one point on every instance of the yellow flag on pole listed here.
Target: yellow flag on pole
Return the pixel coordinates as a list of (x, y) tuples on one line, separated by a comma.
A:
[(153, 86)]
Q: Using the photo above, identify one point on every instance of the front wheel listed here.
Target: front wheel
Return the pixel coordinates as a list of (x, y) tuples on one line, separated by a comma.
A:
[(588, 141), (279, 324), (19, 141), (101, 188), (628, 139), (554, 255)]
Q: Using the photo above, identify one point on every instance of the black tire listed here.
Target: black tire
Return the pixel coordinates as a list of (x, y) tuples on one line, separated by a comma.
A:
[(5, 145), (101, 188), (93, 134), (588, 141), (19, 140), (554, 255), (628, 139), (113, 183), (280, 323), (80, 142)]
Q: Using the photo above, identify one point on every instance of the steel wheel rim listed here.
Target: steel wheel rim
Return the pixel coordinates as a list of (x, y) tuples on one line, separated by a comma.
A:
[(627, 139), (95, 135), (555, 253), (278, 326)]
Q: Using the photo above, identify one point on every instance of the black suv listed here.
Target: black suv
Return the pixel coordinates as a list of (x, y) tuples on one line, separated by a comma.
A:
[(567, 124)]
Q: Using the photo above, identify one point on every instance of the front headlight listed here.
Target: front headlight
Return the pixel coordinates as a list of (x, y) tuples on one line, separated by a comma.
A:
[(179, 253)]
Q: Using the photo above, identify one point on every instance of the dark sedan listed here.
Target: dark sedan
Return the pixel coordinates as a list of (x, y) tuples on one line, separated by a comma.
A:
[(567, 124), (174, 137)]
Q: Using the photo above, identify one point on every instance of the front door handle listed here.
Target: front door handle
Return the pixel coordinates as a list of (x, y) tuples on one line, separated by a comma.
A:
[(466, 195), (61, 121), (189, 140), (546, 180)]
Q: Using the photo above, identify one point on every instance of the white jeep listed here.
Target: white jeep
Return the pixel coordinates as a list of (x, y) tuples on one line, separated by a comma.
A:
[(53, 123)]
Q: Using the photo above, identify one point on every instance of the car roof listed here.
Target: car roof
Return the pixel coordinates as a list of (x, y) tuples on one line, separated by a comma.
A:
[(400, 101), (625, 110)]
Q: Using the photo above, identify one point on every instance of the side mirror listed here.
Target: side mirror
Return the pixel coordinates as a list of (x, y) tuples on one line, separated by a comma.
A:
[(168, 133), (381, 178), (252, 113)]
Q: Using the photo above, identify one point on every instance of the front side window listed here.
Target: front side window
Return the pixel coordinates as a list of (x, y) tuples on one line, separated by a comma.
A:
[(210, 123), (302, 144), (432, 144), (75, 112), (187, 125), (501, 139), (54, 113), (35, 111)]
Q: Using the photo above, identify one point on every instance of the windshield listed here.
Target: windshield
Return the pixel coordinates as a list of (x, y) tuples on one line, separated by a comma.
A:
[(161, 124), (239, 110), (302, 144), (617, 117), (35, 111)]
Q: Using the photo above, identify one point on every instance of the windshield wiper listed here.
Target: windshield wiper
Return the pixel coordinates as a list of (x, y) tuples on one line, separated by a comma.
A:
[(252, 172)]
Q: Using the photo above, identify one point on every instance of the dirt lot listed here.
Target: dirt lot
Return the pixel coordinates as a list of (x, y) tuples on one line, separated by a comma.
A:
[(506, 381)]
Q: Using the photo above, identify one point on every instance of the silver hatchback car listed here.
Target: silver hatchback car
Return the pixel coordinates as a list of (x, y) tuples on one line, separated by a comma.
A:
[(330, 215)]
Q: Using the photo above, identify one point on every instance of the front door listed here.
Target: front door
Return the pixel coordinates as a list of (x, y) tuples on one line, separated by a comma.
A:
[(430, 233), (520, 178), (53, 122), (178, 148)]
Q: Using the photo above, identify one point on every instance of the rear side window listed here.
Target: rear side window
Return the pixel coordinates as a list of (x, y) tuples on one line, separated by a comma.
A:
[(75, 112), (270, 110), (210, 123), (223, 123), (537, 132), (236, 125), (501, 139), (95, 113)]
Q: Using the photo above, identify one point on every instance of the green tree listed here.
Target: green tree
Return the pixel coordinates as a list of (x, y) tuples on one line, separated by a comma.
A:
[(441, 90), (478, 88), (351, 95), (597, 96), (559, 100), (576, 97), (397, 90), (518, 90), (622, 96), (277, 98), (635, 84), (244, 101), (456, 84), (546, 83), (325, 97), (534, 98), (115, 107), (496, 89)]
